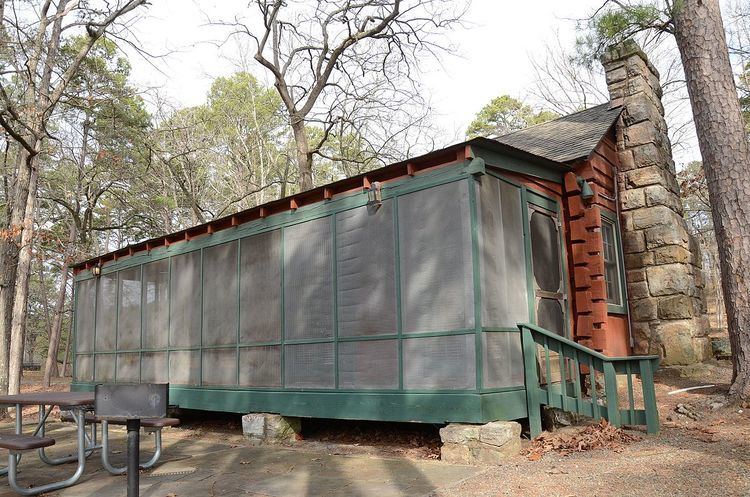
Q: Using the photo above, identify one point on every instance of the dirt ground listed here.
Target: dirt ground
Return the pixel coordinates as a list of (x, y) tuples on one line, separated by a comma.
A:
[(703, 447)]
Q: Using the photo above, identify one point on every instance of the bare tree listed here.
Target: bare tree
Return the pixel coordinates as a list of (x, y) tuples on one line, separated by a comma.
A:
[(33, 81), (327, 58), (564, 83)]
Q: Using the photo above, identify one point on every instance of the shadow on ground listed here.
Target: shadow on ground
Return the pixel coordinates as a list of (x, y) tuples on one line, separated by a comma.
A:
[(192, 467)]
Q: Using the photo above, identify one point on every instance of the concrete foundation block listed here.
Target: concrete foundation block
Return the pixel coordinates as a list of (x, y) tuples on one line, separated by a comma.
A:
[(488, 444), (270, 428)]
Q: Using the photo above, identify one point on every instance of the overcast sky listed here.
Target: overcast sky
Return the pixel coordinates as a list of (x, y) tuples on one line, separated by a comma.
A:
[(493, 53)]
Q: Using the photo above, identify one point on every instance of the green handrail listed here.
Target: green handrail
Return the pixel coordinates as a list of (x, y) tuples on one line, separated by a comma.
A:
[(568, 393)]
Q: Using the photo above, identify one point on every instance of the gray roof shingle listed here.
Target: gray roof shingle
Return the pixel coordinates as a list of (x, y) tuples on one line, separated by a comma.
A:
[(567, 138)]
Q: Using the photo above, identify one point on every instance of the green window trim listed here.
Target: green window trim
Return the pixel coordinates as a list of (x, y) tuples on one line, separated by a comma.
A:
[(622, 307)]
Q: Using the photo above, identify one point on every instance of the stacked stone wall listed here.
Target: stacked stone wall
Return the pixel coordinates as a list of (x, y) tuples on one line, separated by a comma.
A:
[(662, 260)]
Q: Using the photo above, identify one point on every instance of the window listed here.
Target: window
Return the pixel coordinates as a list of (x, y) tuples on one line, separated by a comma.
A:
[(611, 263)]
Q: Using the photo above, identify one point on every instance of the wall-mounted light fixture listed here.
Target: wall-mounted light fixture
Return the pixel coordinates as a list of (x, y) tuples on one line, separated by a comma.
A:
[(374, 194), (587, 194), (96, 270)]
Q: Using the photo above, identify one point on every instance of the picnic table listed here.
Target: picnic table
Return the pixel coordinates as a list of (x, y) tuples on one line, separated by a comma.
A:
[(77, 407), (78, 403)]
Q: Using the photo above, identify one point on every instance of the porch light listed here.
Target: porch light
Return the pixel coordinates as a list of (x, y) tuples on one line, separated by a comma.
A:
[(586, 192), (374, 195), (96, 270)]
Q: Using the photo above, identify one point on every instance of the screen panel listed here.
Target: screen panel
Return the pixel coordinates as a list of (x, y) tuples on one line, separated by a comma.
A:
[(154, 367), (85, 367), (220, 304), (220, 367), (85, 318), (502, 360), (368, 364), (550, 316), (156, 304), (366, 271), (185, 291), (104, 367), (106, 312), (309, 365), (437, 288), (440, 363), (260, 288), (545, 252), (128, 367), (185, 367), (129, 320), (308, 288), (502, 254), (260, 366)]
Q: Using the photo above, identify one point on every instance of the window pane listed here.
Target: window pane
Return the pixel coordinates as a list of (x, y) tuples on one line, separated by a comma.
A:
[(185, 367), (185, 289), (437, 286), (129, 322), (368, 364), (611, 265), (260, 288), (156, 304), (545, 251), (128, 367), (366, 259), (154, 367), (309, 365), (260, 366), (503, 359), (220, 294), (549, 315), (308, 287), (220, 367), (502, 254), (104, 367), (84, 367), (106, 303), (84, 319), (440, 363)]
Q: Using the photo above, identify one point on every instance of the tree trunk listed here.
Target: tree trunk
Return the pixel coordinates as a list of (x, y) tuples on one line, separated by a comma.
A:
[(66, 354), (50, 367), (20, 300), (9, 250), (304, 157), (699, 32)]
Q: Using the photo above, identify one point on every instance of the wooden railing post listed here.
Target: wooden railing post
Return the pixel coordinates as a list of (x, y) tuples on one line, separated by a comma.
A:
[(531, 379), (610, 387), (649, 396)]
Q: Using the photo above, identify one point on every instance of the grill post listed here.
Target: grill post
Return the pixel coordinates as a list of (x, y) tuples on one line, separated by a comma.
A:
[(134, 429)]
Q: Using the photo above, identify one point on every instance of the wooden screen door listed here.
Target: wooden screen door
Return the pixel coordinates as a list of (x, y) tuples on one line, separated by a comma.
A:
[(549, 286)]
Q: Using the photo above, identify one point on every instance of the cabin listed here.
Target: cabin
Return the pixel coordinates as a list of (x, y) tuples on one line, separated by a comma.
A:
[(394, 295)]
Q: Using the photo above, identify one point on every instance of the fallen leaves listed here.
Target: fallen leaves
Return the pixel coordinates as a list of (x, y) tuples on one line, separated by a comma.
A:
[(600, 436)]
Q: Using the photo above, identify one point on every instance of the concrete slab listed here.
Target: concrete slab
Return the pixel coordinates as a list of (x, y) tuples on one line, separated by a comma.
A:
[(196, 468)]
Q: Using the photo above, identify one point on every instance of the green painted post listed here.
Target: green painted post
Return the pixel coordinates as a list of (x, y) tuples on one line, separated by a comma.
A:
[(649, 396), (563, 377), (531, 380), (592, 380), (474, 218), (631, 398), (577, 380), (610, 386)]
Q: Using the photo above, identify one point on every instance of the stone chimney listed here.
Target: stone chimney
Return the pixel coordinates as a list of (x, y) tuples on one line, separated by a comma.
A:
[(662, 260)]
